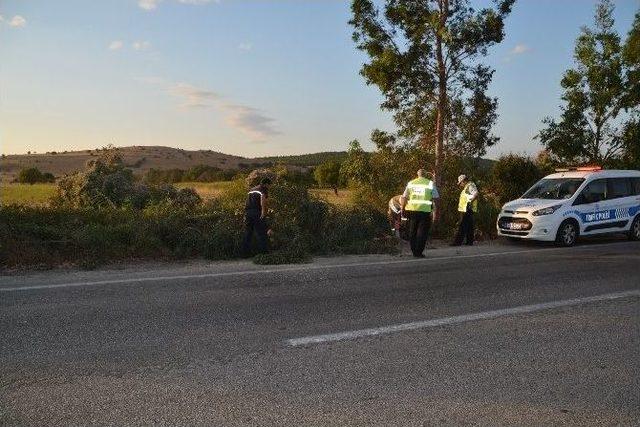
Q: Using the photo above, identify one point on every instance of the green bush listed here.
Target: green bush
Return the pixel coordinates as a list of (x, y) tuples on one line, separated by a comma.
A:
[(34, 176), (108, 183), (512, 175)]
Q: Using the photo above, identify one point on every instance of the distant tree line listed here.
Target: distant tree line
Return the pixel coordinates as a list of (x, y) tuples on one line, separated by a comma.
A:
[(305, 160), (199, 173)]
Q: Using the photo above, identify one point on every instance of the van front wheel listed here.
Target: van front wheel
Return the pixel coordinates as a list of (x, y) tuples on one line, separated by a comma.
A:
[(634, 233), (568, 233)]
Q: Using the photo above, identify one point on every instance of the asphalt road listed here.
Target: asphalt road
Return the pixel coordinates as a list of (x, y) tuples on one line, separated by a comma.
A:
[(357, 341)]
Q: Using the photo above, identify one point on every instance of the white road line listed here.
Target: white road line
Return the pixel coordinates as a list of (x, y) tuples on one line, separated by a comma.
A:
[(350, 335), (285, 269)]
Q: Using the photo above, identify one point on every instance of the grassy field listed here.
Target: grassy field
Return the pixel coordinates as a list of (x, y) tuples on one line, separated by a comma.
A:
[(39, 194), (25, 194), (206, 190), (342, 199)]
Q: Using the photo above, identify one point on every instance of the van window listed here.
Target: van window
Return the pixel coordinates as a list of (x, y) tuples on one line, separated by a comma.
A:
[(554, 189), (618, 187), (595, 191), (635, 186)]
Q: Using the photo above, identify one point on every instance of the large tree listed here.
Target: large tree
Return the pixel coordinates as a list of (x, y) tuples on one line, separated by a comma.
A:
[(600, 96), (424, 57)]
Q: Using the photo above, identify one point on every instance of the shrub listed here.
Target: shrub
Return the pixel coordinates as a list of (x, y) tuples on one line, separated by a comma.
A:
[(34, 176), (328, 175), (512, 175), (107, 183)]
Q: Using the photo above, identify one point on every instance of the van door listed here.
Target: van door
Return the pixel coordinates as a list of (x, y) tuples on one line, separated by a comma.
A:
[(617, 205), (635, 197), (589, 206)]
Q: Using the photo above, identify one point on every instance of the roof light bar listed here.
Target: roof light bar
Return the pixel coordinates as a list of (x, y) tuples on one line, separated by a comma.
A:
[(580, 169), (589, 168)]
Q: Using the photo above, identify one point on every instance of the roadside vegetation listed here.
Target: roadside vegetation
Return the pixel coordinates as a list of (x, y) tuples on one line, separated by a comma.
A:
[(104, 214)]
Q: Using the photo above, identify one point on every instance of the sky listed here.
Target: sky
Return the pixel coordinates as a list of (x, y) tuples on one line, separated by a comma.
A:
[(243, 77)]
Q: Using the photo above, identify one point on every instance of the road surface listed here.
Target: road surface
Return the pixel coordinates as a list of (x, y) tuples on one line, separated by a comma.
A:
[(501, 335)]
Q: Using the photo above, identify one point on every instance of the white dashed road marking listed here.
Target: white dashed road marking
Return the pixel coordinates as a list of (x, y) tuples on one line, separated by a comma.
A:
[(350, 335)]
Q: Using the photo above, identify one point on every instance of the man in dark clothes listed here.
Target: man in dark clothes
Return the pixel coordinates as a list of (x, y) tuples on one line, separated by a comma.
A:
[(467, 206), (255, 217)]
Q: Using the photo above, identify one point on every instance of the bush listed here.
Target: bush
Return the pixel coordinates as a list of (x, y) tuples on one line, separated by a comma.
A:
[(328, 175), (34, 176), (512, 175), (107, 183)]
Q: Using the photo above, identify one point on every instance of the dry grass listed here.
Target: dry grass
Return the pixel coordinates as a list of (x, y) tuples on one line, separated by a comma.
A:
[(206, 190), (342, 199), (25, 194)]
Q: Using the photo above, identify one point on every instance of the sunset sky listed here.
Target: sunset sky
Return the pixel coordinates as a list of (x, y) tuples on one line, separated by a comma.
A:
[(242, 77)]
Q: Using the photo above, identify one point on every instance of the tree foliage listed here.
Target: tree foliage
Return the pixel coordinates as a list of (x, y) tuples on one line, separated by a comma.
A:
[(107, 182), (512, 175), (328, 175), (34, 176), (600, 99), (424, 58)]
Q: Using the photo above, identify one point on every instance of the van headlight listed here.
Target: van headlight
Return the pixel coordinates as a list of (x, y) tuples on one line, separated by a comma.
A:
[(546, 211)]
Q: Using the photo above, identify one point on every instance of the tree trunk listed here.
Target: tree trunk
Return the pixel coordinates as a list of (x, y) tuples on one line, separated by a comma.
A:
[(442, 91)]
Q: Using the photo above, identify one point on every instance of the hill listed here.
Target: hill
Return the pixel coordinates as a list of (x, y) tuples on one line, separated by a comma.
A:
[(143, 158), (139, 158)]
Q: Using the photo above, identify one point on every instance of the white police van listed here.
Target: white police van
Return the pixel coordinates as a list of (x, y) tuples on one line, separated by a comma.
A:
[(575, 202)]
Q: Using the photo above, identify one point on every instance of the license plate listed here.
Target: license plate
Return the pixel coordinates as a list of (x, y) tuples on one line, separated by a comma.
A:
[(513, 226)]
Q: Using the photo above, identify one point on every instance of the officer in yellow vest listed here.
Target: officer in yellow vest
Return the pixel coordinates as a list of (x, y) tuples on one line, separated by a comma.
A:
[(418, 202), (467, 206)]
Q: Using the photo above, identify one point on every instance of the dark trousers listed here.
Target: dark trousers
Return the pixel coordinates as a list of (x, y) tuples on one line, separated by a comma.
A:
[(253, 222), (419, 226), (465, 229)]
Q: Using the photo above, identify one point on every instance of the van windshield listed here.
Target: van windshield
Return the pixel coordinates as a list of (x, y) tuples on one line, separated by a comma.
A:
[(554, 189)]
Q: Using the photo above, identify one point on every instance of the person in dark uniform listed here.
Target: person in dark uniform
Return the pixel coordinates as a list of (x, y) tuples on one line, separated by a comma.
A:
[(468, 207), (255, 217)]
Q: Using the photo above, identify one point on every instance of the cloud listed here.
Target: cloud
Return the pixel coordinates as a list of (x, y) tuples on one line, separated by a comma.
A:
[(193, 97), (141, 45), (153, 4), (148, 4), (250, 121), (245, 46), (519, 49), (115, 45), (17, 21)]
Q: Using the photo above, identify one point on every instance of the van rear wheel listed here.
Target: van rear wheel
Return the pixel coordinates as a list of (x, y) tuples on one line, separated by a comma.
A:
[(568, 233), (634, 233)]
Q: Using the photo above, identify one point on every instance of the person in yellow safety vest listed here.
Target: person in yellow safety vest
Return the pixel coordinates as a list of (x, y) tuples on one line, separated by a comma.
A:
[(467, 206), (419, 204)]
